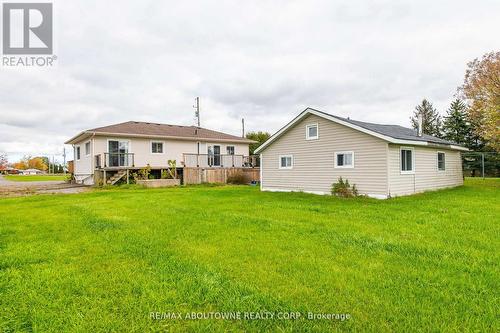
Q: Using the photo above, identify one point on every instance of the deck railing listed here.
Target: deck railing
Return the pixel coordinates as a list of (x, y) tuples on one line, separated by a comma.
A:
[(220, 160), (115, 160)]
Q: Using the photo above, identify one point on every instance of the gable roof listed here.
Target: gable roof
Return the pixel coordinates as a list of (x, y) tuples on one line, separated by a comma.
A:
[(390, 133), (154, 130)]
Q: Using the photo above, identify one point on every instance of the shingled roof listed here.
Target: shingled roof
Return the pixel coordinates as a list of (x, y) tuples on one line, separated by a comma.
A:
[(144, 129), (396, 131), (391, 133)]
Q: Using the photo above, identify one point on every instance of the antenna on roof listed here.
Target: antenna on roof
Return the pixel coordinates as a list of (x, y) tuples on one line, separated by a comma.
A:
[(197, 112)]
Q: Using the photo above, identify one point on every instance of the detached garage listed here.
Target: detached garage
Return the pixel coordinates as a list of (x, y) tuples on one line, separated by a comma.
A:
[(316, 148)]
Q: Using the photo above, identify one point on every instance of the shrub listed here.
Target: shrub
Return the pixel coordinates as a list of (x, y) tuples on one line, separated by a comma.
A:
[(171, 172), (344, 189), (143, 174), (237, 178)]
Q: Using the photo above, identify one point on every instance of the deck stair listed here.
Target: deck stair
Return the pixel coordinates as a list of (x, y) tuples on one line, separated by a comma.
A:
[(116, 177)]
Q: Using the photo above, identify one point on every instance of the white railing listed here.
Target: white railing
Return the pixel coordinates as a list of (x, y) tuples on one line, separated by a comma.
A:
[(219, 160)]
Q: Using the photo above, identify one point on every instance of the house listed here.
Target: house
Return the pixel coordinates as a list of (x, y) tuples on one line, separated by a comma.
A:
[(109, 153), (31, 172), (9, 171), (316, 148)]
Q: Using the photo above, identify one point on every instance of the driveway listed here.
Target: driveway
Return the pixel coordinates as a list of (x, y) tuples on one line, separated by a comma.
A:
[(11, 188)]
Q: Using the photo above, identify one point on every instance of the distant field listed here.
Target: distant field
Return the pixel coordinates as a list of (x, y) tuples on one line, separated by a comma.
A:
[(103, 261), (35, 178)]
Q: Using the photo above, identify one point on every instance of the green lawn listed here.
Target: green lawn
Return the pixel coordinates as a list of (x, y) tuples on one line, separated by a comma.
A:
[(36, 178), (104, 260)]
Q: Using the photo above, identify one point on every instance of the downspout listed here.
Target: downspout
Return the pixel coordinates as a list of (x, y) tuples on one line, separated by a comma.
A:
[(92, 154), (92, 158)]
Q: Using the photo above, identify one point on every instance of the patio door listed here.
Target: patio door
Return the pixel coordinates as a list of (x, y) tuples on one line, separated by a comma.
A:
[(118, 153), (214, 155)]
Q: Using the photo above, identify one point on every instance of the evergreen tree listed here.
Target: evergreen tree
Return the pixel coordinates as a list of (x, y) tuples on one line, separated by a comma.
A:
[(474, 141), (455, 125), (431, 122)]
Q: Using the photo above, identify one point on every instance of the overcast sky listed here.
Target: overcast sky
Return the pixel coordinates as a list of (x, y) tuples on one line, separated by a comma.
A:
[(262, 60)]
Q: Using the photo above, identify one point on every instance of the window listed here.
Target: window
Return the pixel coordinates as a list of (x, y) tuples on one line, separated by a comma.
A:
[(87, 148), (286, 162), (407, 160), (441, 161), (77, 153), (230, 150), (312, 132), (157, 147), (344, 159)]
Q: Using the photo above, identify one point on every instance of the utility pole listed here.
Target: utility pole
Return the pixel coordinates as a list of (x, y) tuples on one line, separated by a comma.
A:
[(242, 127), (64, 160), (197, 112)]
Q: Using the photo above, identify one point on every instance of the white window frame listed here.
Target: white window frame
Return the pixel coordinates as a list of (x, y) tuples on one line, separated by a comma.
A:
[(90, 148), (351, 166), (286, 167), (162, 147), (437, 161), (78, 153), (408, 172), (234, 150), (317, 131)]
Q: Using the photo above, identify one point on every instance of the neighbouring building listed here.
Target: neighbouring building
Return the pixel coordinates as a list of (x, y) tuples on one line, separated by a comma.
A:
[(110, 152), (312, 151), (32, 172)]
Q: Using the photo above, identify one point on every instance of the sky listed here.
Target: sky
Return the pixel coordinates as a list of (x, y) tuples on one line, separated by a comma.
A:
[(264, 61)]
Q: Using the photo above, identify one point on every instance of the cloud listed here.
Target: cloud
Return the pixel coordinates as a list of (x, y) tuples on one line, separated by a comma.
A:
[(264, 61)]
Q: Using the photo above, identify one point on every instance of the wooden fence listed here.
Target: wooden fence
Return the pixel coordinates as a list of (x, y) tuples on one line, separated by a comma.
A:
[(217, 175)]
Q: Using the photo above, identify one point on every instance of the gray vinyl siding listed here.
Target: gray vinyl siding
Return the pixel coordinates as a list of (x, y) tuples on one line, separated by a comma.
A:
[(313, 160), (426, 176)]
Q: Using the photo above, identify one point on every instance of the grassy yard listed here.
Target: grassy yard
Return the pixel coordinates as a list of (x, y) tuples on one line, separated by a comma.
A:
[(104, 260), (36, 178)]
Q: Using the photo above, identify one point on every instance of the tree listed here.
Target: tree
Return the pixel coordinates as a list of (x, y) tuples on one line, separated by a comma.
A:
[(260, 137), (481, 89), (28, 162), (455, 125), (431, 122), (3, 161), (474, 141), (38, 163)]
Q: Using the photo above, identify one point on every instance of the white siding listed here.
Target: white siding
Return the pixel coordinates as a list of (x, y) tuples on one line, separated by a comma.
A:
[(426, 176), (83, 166), (313, 160)]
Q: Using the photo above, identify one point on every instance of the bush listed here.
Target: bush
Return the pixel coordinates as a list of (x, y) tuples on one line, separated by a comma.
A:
[(344, 189), (143, 174), (237, 178)]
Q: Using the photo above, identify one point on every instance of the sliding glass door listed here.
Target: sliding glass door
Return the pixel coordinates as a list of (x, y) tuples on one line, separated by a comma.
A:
[(118, 153), (214, 155)]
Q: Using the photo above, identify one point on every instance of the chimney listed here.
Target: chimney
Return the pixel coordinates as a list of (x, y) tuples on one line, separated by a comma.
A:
[(419, 125)]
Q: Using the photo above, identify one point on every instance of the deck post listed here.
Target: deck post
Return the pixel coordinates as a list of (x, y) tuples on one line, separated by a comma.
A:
[(128, 177), (104, 179)]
